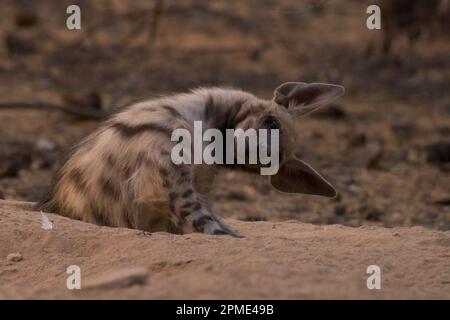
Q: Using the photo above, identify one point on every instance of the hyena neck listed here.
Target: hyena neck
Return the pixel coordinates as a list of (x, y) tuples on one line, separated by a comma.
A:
[(223, 109)]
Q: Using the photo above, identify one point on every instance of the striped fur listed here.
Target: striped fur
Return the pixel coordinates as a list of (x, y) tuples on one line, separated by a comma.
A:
[(122, 175)]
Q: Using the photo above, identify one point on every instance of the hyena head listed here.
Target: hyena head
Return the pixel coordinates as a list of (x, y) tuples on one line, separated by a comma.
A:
[(291, 100)]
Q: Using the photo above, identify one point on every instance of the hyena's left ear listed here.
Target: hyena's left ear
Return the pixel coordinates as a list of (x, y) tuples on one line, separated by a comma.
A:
[(301, 98), (296, 176)]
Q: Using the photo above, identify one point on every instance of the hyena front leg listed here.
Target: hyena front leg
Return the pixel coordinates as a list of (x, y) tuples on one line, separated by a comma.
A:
[(187, 208)]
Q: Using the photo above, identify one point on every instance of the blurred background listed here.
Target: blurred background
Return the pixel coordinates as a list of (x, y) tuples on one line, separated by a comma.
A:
[(385, 145)]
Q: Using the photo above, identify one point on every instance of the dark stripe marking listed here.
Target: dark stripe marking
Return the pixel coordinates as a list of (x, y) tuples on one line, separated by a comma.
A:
[(244, 115), (110, 188), (184, 214), (130, 131), (77, 178), (173, 196), (109, 158), (166, 184), (210, 109), (127, 171), (199, 224), (184, 174), (187, 193), (183, 180), (230, 122), (193, 205), (140, 158), (97, 214), (173, 112)]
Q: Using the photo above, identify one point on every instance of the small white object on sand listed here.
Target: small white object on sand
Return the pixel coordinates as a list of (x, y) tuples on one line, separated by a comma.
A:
[(46, 223)]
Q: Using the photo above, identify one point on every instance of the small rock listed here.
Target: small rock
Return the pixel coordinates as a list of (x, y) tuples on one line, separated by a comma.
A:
[(46, 224), (2, 195), (119, 279), (14, 257)]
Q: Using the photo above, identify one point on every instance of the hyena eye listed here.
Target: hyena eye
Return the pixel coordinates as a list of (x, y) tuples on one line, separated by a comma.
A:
[(272, 124)]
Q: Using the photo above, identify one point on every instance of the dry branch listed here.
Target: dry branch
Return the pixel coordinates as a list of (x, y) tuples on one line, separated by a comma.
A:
[(49, 106)]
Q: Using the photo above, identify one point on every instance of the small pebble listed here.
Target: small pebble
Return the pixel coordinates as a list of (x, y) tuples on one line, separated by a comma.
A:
[(14, 257)]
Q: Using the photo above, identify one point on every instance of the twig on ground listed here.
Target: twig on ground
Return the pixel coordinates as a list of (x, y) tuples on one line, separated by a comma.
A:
[(50, 106)]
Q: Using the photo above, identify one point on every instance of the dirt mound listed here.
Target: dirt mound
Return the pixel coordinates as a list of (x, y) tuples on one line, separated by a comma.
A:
[(277, 260)]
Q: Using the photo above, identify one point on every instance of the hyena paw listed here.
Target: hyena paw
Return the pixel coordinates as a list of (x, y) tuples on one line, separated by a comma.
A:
[(211, 225), (221, 229)]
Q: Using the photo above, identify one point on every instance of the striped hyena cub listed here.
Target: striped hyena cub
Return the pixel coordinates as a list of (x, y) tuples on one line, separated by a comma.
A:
[(123, 175)]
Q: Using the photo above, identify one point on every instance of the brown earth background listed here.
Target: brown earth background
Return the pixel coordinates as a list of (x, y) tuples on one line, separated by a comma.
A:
[(385, 145)]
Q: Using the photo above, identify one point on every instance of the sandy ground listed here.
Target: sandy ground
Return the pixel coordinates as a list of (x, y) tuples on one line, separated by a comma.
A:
[(275, 260)]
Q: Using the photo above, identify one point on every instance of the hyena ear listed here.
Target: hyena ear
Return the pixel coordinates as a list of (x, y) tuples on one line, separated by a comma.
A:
[(296, 176), (301, 98)]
